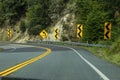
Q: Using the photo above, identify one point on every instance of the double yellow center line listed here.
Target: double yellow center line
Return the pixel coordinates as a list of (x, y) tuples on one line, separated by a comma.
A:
[(23, 64)]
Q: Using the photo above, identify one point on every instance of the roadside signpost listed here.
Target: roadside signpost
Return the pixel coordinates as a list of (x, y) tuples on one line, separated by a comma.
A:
[(43, 34), (107, 30), (9, 33), (56, 33), (79, 30)]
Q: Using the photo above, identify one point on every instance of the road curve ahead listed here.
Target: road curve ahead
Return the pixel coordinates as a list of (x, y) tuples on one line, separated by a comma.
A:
[(50, 62)]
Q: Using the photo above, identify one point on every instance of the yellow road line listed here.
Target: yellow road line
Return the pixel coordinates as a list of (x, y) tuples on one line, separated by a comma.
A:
[(23, 64)]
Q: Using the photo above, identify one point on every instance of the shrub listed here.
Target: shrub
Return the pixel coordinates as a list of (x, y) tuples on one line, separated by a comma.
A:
[(22, 26)]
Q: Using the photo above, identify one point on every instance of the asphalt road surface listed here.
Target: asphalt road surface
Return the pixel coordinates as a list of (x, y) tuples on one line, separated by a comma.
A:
[(50, 62)]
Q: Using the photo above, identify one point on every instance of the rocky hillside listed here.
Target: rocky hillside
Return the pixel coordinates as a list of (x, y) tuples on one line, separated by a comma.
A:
[(27, 18), (63, 20)]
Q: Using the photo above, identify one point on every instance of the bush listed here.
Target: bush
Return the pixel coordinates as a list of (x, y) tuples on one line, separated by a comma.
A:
[(35, 30), (37, 18), (115, 48), (64, 38), (22, 26)]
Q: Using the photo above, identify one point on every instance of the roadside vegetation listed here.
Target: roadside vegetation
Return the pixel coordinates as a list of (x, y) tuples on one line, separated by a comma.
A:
[(35, 15), (93, 14), (111, 54)]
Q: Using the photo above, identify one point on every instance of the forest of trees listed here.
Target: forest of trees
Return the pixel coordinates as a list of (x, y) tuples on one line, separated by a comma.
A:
[(40, 14), (94, 13), (37, 13)]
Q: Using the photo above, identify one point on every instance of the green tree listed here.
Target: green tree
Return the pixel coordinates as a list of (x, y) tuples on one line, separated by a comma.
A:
[(35, 30), (93, 14), (1, 14), (83, 8), (94, 27), (38, 15), (13, 9), (23, 26)]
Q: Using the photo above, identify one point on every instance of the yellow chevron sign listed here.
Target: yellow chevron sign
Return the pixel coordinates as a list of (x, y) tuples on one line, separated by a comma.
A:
[(79, 30), (56, 32), (107, 30), (9, 33)]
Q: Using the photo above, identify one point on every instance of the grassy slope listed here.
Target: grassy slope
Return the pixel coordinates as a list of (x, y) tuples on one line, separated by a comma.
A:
[(1, 49), (111, 54)]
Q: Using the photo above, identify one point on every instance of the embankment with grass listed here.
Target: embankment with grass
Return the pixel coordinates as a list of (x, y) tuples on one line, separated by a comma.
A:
[(111, 54), (1, 49)]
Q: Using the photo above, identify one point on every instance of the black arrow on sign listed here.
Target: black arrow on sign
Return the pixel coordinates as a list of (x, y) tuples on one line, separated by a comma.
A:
[(108, 30), (9, 33), (45, 34), (56, 31), (79, 31)]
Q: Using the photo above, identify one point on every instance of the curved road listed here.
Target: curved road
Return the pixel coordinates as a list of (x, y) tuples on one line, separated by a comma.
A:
[(50, 62)]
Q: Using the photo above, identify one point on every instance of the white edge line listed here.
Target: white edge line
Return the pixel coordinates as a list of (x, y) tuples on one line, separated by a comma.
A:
[(91, 65), (103, 76)]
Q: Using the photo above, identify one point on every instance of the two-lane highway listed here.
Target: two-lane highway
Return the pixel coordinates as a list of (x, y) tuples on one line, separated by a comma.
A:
[(58, 63)]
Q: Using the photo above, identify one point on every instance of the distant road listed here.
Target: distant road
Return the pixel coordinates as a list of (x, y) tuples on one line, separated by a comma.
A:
[(50, 62)]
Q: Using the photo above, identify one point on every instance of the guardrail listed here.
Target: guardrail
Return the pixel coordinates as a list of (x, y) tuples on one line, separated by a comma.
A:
[(69, 43)]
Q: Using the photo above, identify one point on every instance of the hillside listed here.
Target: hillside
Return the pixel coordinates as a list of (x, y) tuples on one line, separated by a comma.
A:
[(31, 21), (27, 18)]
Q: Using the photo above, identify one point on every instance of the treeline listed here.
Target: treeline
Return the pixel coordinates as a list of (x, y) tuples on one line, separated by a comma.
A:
[(38, 14), (94, 13), (11, 11)]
